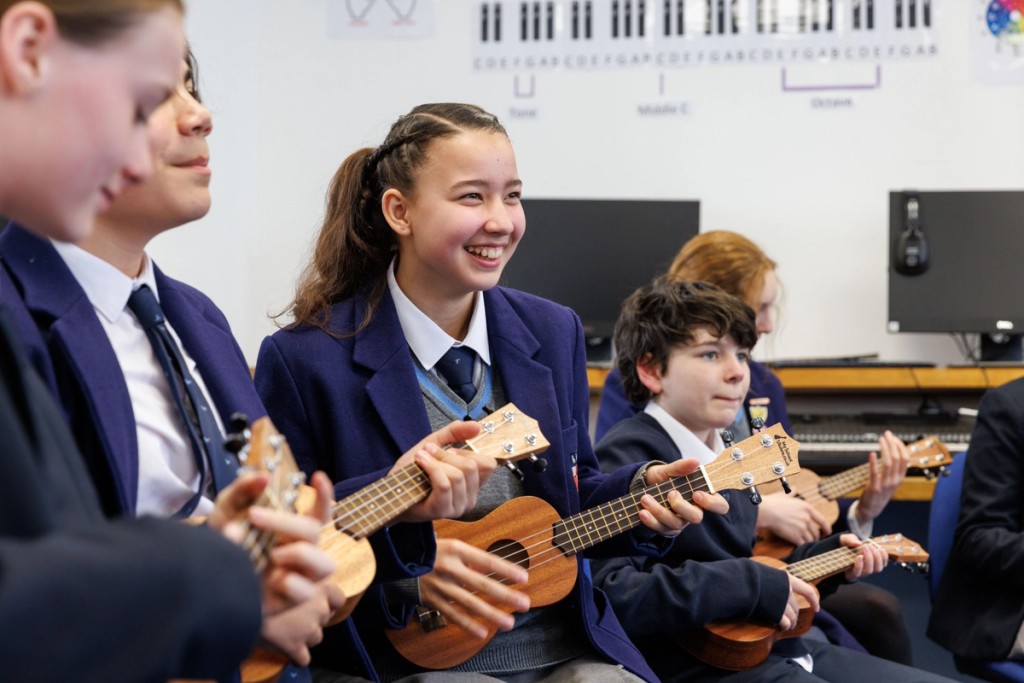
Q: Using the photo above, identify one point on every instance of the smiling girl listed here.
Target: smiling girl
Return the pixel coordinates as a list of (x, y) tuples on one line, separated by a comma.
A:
[(406, 268)]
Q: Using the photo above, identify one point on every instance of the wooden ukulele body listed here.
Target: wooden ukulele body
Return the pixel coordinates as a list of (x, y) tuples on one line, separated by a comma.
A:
[(356, 567), (737, 645), (521, 531), (741, 645), (805, 485), (528, 532), (508, 435)]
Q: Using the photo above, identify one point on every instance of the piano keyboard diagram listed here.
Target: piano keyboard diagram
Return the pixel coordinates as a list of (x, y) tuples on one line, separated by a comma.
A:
[(604, 34)]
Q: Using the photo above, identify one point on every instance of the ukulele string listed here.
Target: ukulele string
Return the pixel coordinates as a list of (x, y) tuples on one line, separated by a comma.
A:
[(257, 541), (846, 481), (550, 553), (661, 491), (347, 515), (655, 490), (921, 451), (351, 512), (606, 512), (819, 566), (607, 520), (836, 560)]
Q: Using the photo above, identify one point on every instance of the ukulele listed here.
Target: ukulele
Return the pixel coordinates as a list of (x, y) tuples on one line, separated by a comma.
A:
[(527, 531), (507, 435), (928, 454), (740, 645), (262, 448)]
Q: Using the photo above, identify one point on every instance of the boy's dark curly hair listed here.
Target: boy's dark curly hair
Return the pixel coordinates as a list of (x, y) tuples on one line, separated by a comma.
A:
[(666, 314)]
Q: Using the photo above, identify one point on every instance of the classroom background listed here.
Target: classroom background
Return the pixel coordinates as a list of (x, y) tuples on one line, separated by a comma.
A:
[(793, 138), (790, 128)]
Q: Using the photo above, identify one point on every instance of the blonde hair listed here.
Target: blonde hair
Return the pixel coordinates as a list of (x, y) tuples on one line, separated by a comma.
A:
[(726, 259)]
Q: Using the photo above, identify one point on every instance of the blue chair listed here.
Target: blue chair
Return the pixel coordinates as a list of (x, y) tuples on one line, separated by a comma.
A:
[(945, 511)]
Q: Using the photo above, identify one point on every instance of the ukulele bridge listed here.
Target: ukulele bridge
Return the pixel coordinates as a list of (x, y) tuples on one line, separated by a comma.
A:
[(430, 619)]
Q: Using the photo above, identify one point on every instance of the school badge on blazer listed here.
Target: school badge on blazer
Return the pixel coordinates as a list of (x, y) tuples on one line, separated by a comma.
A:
[(758, 408)]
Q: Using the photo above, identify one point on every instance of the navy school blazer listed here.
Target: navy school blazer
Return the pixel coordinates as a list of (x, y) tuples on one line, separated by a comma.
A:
[(116, 578), (979, 606), (70, 350), (354, 405)]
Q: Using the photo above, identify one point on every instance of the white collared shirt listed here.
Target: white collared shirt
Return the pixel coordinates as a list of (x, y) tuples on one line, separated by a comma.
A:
[(428, 341), (167, 470), (685, 440)]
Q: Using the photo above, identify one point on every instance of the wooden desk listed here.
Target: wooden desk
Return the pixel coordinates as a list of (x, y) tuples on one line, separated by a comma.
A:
[(868, 379), (895, 379), (912, 488), (596, 377)]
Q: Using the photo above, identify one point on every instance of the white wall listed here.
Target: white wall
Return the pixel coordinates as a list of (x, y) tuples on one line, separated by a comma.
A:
[(810, 184)]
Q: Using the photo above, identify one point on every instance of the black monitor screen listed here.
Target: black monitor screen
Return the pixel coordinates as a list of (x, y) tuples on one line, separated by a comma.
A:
[(590, 254), (974, 280)]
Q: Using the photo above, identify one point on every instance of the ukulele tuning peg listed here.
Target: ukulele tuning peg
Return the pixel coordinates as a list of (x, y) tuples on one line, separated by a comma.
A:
[(944, 471), (238, 433), (515, 470), (755, 496), (234, 443), (924, 568), (238, 422), (539, 464), (757, 423), (929, 475), (785, 485), (727, 437)]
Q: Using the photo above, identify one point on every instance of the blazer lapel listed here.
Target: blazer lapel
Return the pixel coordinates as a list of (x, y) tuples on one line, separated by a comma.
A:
[(51, 293), (514, 348), (382, 350), (528, 383), (221, 364)]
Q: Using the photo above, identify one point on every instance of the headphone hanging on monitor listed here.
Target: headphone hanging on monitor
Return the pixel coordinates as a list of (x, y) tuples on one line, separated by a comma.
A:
[(911, 256)]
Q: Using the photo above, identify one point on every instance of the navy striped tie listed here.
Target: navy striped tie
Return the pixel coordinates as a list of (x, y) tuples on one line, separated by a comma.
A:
[(196, 415), (457, 368)]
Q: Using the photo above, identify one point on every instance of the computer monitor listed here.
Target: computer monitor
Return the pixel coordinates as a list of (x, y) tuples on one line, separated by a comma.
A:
[(590, 254), (973, 280)]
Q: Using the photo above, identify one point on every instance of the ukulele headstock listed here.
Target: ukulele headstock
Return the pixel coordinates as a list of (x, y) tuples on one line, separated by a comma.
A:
[(761, 458), (261, 448), (930, 455), (901, 549), (509, 435)]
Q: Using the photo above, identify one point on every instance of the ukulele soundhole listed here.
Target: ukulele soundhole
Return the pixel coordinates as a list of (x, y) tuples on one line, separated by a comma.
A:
[(510, 550)]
